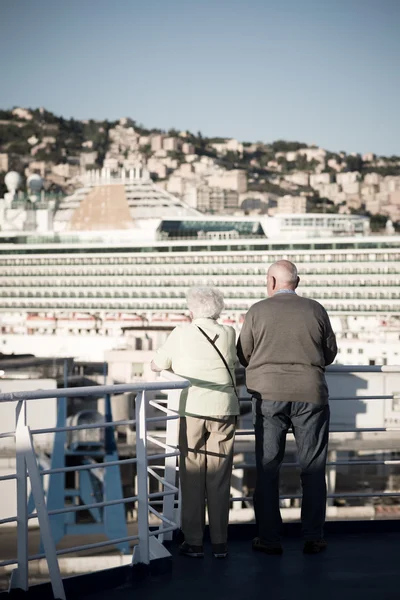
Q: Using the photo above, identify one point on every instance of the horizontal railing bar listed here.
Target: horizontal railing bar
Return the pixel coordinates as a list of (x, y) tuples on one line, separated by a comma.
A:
[(341, 495), (96, 390), (7, 434), (69, 509), (155, 419), (356, 430), (337, 463), (99, 425), (235, 466), (161, 531), (363, 369), (86, 426), (6, 563), (160, 503), (161, 494), (88, 546), (111, 463), (166, 455), (7, 477), (98, 544), (364, 429), (8, 520), (361, 398), (249, 398)]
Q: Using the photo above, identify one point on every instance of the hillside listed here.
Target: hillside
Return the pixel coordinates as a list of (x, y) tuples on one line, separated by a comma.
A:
[(36, 140)]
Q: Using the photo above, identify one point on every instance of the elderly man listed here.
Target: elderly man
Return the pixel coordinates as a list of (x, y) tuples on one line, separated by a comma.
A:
[(285, 344)]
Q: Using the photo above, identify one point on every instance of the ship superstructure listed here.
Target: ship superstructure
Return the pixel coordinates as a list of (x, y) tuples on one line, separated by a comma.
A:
[(122, 253)]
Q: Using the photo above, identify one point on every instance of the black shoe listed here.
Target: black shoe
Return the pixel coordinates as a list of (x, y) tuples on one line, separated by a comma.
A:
[(220, 550), (272, 548), (314, 546), (193, 551)]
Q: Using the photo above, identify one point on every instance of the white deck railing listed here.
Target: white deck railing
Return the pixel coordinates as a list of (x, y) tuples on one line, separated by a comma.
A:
[(383, 372), (149, 541)]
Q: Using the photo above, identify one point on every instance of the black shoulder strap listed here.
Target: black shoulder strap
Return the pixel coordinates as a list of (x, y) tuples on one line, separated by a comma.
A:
[(212, 342)]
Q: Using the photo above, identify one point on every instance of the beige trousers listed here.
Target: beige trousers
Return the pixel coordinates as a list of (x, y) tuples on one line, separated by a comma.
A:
[(206, 445)]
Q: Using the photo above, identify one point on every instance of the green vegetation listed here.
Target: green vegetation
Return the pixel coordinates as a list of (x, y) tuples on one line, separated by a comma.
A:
[(392, 170), (354, 163), (3, 187), (176, 155), (69, 136), (322, 205), (146, 150), (267, 186), (284, 146), (66, 136), (6, 115), (377, 222)]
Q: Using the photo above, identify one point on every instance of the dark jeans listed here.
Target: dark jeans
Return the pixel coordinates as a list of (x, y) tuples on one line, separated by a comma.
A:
[(310, 424)]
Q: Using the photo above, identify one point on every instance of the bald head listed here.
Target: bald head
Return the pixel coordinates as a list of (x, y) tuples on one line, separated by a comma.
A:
[(282, 275)]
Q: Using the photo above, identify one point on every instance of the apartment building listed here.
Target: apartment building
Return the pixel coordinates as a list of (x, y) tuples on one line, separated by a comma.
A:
[(230, 180), (4, 162), (292, 205)]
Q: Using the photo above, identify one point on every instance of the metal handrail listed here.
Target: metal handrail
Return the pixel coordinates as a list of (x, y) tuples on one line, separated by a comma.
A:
[(341, 369), (98, 390), (167, 497), (27, 466)]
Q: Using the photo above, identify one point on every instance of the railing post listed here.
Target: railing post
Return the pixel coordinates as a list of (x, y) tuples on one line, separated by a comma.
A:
[(141, 552), (19, 577), (172, 429), (56, 487), (42, 513), (331, 477), (113, 515)]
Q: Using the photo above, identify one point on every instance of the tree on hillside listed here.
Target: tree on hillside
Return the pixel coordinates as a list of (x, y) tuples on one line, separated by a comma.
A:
[(176, 155), (146, 151), (6, 115), (3, 187), (231, 160), (354, 163), (302, 164), (377, 222), (322, 205), (284, 146), (392, 170)]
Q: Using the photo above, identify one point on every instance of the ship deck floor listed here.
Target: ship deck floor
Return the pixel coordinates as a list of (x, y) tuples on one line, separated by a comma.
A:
[(355, 566), (361, 563)]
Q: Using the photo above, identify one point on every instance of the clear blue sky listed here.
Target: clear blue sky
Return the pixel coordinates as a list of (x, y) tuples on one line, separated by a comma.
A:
[(319, 71)]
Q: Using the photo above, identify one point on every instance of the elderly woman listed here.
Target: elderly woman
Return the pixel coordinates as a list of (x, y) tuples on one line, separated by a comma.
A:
[(204, 352)]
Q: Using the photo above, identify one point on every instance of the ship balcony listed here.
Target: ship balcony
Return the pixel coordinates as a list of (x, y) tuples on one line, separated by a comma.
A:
[(364, 535)]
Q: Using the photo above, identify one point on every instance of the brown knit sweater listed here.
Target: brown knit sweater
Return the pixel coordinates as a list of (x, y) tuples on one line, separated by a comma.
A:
[(285, 344)]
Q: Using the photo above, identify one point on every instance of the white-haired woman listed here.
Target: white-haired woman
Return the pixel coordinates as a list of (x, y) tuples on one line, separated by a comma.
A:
[(204, 352)]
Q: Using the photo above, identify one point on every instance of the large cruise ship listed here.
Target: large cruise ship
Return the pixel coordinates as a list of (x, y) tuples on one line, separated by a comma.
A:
[(119, 254)]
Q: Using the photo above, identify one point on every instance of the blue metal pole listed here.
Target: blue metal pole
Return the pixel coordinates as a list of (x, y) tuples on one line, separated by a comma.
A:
[(114, 516), (56, 491)]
